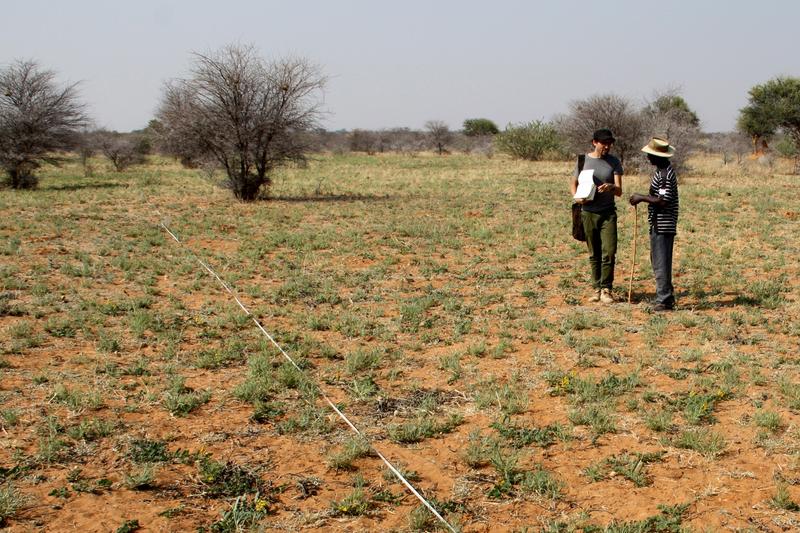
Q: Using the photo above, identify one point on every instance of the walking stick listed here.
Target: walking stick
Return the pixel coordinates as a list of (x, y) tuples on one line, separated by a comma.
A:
[(633, 259)]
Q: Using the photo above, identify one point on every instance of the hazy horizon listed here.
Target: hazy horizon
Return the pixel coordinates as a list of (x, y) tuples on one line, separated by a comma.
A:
[(395, 65)]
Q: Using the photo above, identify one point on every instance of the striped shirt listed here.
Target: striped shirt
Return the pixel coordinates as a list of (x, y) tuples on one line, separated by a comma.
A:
[(664, 185)]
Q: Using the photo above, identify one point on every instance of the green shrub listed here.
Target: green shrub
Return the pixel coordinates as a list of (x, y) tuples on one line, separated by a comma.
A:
[(11, 500), (354, 504), (422, 428), (181, 400), (782, 499), (149, 451), (531, 141), (786, 148), (227, 479), (244, 515), (352, 449)]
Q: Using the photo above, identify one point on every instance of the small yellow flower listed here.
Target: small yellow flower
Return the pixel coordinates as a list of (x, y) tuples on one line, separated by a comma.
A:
[(261, 505)]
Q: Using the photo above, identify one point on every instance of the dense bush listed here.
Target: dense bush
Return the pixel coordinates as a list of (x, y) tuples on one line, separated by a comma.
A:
[(785, 147), (363, 141), (531, 141), (123, 149)]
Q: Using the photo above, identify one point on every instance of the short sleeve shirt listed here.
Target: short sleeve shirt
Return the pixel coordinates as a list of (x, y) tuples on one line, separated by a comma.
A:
[(604, 170)]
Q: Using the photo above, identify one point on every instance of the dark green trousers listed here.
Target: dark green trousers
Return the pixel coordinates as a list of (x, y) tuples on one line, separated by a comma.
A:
[(601, 239)]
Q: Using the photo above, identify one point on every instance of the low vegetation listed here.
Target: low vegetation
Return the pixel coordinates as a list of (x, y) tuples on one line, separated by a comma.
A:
[(440, 304)]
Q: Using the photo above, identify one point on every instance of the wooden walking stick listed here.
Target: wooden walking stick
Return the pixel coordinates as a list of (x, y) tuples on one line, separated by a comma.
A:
[(633, 259)]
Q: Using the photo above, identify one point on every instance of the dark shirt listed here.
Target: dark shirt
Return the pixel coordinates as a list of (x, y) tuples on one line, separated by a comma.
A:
[(604, 170)]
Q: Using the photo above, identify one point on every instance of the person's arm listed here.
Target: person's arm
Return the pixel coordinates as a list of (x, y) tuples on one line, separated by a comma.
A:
[(637, 198), (665, 193), (615, 187)]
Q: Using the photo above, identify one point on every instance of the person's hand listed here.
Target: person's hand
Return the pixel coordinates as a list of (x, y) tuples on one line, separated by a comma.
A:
[(604, 187), (635, 198)]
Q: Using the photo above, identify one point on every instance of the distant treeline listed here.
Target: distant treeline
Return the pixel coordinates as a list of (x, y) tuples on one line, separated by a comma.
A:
[(732, 146)]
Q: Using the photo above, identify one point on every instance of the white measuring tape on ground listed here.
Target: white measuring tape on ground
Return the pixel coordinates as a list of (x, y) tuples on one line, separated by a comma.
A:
[(391, 467)]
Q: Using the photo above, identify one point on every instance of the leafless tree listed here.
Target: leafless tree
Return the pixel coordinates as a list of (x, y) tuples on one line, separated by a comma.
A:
[(243, 112), (405, 140), (37, 119), (86, 148), (668, 116), (474, 144), (122, 149), (610, 111), (439, 134), (731, 146), (178, 142)]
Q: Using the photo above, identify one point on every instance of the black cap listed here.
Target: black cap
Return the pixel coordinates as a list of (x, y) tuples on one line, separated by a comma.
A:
[(603, 135)]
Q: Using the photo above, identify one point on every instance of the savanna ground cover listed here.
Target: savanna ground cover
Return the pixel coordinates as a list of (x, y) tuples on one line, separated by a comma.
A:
[(441, 303)]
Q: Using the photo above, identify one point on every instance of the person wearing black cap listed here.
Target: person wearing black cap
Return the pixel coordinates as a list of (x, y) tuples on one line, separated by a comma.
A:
[(599, 215)]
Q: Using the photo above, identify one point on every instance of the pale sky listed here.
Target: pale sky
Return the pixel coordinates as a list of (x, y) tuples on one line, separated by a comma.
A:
[(402, 63)]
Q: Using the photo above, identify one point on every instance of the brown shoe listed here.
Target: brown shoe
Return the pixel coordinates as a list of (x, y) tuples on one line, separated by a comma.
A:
[(595, 297), (606, 297)]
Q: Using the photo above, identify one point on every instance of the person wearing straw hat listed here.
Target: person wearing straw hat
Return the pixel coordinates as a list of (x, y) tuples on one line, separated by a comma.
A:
[(662, 215), (599, 215)]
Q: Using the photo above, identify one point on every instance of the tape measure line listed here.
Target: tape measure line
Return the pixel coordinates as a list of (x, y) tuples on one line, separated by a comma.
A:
[(341, 415)]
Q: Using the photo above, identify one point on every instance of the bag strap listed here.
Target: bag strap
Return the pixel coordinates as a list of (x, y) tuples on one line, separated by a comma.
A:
[(581, 162)]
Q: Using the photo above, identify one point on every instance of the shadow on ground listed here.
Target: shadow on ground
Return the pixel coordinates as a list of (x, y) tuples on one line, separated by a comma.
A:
[(333, 198), (82, 186)]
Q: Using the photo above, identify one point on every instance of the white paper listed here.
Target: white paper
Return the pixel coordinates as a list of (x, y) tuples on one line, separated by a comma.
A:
[(586, 186)]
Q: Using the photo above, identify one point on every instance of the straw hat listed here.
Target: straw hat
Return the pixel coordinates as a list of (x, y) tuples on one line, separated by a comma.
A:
[(659, 147)]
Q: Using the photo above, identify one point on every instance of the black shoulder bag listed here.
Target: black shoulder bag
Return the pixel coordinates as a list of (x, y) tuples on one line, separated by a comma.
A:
[(577, 223)]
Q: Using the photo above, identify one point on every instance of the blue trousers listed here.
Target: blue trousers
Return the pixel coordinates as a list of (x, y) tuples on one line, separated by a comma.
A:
[(661, 259)]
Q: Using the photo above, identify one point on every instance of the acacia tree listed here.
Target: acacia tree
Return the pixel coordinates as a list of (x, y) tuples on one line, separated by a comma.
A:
[(37, 119), (246, 114), (476, 127), (772, 106), (754, 121), (602, 111)]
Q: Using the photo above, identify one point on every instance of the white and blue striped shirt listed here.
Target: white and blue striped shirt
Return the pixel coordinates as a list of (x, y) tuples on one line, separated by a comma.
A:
[(664, 185)]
